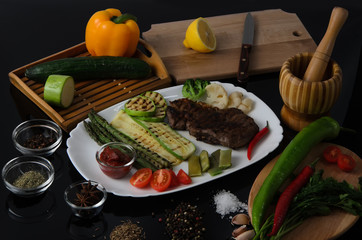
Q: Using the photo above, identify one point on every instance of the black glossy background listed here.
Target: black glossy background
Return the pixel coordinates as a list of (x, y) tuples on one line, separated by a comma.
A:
[(31, 30)]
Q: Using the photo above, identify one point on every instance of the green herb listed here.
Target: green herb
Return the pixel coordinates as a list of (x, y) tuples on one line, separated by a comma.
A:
[(29, 179), (193, 89), (319, 197)]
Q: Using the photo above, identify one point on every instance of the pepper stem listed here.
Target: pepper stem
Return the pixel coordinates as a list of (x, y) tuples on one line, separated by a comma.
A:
[(123, 18), (312, 165)]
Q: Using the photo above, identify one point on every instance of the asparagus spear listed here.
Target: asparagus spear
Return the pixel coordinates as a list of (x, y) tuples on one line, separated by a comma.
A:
[(154, 158), (96, 133)]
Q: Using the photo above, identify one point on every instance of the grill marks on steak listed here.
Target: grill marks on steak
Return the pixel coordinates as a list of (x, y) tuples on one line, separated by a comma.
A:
[(228, 127)]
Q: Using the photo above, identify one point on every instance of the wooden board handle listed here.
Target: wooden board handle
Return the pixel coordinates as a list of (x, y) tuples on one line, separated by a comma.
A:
[(320, 59)]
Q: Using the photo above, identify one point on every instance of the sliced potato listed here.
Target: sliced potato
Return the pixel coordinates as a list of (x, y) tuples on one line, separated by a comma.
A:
[(216, 96), (235, 99), (246, 105)]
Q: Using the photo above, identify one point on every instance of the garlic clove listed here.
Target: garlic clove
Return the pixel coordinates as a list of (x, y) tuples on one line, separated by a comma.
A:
[(239, 231), (248, 235), (240, 219)]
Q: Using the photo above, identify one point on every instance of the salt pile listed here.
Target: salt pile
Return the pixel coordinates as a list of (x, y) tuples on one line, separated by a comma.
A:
[(226, 203)]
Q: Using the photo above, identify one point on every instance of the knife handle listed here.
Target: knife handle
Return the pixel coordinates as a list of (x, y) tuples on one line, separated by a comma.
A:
[(244, 64)]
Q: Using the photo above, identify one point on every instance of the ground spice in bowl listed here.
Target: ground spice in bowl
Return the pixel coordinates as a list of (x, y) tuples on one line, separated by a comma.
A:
[(29, 179), (127, 231)]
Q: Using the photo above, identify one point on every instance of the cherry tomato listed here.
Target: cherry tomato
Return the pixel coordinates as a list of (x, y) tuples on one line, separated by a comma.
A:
[(346, 162), (331, 153), (183, 177), (174, 180), (141, 178), (161, 180)]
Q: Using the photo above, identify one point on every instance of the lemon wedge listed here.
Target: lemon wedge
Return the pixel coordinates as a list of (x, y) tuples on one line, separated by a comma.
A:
[(200, 37)]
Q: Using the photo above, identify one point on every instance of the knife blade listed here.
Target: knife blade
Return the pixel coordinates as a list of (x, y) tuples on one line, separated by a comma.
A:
[(246, 45)]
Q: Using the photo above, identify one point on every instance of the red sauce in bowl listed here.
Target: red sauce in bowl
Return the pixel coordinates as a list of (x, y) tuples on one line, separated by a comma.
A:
[(114, 157), (113, 162)]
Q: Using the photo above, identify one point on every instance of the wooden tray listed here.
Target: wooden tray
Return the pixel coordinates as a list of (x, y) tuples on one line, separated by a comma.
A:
[(94, 94), (278, 36), (319, 227)]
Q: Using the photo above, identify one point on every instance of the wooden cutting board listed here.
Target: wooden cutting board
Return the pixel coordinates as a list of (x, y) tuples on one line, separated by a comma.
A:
[(278, 36), (319, 227)]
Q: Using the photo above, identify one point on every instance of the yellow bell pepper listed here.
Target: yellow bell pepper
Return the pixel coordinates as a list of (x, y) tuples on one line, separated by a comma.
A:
[(111, 33)]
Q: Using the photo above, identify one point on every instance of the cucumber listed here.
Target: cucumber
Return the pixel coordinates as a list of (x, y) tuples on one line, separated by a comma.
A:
[(204, 160), (219, 160), (194, 166), (59, 90), (214, 165), (140, 106), (91, 68), (129, 127), (223, 158)]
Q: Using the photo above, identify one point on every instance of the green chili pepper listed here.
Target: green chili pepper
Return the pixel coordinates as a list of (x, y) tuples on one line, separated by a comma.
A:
[(321, 129)]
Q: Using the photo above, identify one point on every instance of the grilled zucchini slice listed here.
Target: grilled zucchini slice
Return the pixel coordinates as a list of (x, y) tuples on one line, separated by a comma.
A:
[(171, 140), (161, 106), (140, 106), (159, 116), (128, 126), (157, 98)]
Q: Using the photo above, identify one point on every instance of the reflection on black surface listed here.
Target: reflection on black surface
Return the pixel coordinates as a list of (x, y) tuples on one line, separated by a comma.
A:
[(31, 210), (26, 108), (58, 162), (82, 229)]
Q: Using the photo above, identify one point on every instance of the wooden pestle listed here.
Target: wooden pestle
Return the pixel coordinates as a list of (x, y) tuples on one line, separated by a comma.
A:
[(318, 64)]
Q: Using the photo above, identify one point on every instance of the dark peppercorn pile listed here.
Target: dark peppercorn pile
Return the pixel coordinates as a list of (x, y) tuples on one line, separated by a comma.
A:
[(184, 222), (39, 141)]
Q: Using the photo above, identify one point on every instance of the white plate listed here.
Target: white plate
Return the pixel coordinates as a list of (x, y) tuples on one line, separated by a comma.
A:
[(81, 148)]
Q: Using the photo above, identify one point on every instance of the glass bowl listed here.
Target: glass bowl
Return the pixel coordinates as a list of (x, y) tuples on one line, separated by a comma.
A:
[(28, 176), (116, 159), (85, 198), (37, 137)]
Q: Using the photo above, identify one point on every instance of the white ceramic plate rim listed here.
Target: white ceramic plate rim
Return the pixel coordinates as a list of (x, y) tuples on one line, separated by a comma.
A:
[(81, 148)]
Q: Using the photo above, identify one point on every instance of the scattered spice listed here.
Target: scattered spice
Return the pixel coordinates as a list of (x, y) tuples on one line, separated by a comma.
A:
[(88, 195), (226, 203), (184, 222), (29, 179), (39, 141), (127, 231)]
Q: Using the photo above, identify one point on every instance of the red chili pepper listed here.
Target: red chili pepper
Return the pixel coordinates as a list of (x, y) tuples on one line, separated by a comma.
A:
[(257, 138), (288, 194)]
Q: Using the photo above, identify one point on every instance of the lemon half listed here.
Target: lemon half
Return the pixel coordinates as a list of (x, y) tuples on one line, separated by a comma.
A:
[(200, 37)]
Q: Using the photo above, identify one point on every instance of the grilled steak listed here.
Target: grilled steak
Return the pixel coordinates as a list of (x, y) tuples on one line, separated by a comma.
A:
[(228, 127)]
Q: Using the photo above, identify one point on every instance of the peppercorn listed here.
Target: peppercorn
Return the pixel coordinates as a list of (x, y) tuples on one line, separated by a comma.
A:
[(38, 141), (184, 222)]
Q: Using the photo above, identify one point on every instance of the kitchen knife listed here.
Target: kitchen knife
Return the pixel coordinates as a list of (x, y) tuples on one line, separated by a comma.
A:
[(246, 45)]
